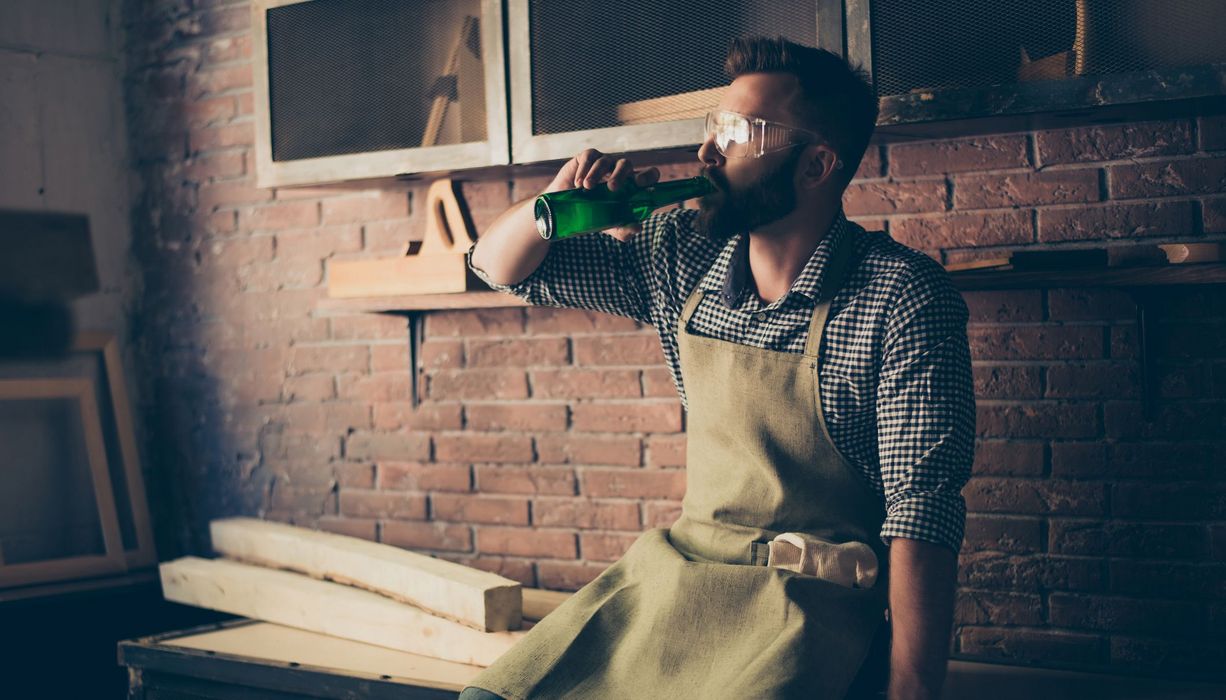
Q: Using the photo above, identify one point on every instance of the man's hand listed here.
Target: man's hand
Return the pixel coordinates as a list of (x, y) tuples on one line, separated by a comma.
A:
[(922, 580), (591, 167)]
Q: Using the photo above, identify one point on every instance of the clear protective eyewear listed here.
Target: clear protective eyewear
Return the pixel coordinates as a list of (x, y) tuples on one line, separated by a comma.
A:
[(742, 136)]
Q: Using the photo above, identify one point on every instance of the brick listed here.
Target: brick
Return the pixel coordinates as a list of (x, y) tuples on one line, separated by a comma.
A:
[(1079, 460), (231, 48), (1002, 382), (355, 476), (470, 447), (391, 236), (891, 197), (567, 576), (1115, 142), (305, 504), (426, 535), (215, 165), (658, 383), (604, 546), (660, 513), (1117, 221), (1204, 581), (1159, 618), (329, 358), (1025, 189), (665, 451), (577, 448), (527, 542), (378, 446), (870, 163), (585, 383), (394, 415), (534, 480), (390, 358), (1040, 419), (1178, 502), (965, 230), (382, 504), (280, 216), (318, 242), (992, 608), (495, 510), (959, 155), (1213, 215), (212, 196), (475, 322), (367, 327), (366, 207), (1167, 178), (1004, 306), (515, 569), (1047, 342), (1090, 304), (1124, 342), (1166, 657), (1124, 539), (998, 533), (871, 223), (656, 416), (1037, 572), (213, 81), (1212, 131), (423, 476), (1029, 496), (1164, 460), (1032, 646), (632, 483), (518, 352), (209, 138), (523, 417), (373, 388), (1196, 339), (1008, 458), (1172, 420), (481, 384), (637, 350), (1094, 381), (585, 514), (351, 527), (332, 416), (442, 354)]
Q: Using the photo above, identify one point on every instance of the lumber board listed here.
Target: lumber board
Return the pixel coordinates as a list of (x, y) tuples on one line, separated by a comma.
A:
[(480, 599), (687, 105), (539, 602), (292, 599)]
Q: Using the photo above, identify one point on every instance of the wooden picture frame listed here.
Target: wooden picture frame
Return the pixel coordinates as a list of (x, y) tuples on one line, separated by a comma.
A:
[(113, 560)]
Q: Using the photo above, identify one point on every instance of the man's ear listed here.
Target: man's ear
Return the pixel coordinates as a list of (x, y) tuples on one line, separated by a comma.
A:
[(819, 165)]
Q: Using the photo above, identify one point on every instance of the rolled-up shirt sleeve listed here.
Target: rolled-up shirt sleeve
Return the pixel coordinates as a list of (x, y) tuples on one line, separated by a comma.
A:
[(926, 413), (598, 272)]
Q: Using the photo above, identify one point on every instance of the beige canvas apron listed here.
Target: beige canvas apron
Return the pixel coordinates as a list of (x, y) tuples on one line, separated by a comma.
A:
[(692, 610)]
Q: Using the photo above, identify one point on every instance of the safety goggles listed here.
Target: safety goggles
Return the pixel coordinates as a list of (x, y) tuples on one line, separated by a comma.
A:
[(741, 136)]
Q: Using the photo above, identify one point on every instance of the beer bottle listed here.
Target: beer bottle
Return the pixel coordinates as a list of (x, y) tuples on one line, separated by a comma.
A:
[(574, 212)]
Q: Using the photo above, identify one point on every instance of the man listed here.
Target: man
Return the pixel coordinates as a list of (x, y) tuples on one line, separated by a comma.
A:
[(826, 376)]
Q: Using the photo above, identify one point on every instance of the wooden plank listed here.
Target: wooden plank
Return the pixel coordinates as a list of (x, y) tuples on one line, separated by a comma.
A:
[(411, 274), (538, 602), (423, 302), (299, 601), (479, 599), (687, 105), (271, 642)]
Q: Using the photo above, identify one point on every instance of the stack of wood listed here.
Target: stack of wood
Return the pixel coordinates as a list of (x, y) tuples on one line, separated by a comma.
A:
[(354, 589)]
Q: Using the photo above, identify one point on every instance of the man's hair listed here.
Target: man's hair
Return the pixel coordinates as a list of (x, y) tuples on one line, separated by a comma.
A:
[(836, 99)]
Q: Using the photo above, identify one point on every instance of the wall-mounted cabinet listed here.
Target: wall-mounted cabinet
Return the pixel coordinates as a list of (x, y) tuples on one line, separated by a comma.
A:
[(363, 89), (375, 89)]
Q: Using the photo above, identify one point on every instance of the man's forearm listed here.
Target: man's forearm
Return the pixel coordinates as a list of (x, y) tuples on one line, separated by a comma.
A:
[(510, 249), (922, 580)]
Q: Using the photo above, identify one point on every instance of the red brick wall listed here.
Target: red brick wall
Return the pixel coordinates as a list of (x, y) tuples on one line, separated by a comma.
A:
[(548, 439)]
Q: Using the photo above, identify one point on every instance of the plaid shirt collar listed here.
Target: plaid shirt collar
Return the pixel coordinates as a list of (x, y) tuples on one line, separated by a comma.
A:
[(729, 274)]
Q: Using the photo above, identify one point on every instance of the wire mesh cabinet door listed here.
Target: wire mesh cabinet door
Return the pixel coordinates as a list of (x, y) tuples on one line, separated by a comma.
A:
[(369, 89), (633, 75)]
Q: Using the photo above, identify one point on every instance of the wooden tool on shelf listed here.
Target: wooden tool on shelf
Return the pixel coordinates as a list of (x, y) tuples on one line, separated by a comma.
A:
[(437, 267)]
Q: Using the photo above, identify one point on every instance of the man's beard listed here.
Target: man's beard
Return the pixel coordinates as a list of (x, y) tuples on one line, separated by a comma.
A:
[(728, 211)]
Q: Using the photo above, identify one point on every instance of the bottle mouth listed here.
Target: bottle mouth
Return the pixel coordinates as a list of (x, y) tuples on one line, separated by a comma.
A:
[(544, 218)]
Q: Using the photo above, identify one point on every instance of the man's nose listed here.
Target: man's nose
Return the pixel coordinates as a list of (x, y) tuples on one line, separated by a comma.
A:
[(708, 154)]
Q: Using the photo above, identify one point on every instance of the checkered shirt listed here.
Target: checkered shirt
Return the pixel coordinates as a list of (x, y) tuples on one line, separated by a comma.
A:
[(895, 369)]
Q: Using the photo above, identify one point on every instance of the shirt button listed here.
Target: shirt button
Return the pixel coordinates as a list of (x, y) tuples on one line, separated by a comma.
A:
[(759, 316)]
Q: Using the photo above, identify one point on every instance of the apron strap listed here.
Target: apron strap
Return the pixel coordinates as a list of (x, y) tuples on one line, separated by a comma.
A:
[(832, 281)]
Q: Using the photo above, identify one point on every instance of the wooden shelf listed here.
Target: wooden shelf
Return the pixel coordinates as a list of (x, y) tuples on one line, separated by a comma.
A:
[(423, 302), (1138, 276)]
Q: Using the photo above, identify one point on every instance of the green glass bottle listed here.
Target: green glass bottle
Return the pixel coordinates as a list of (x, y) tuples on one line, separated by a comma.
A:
[(574, 212)]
